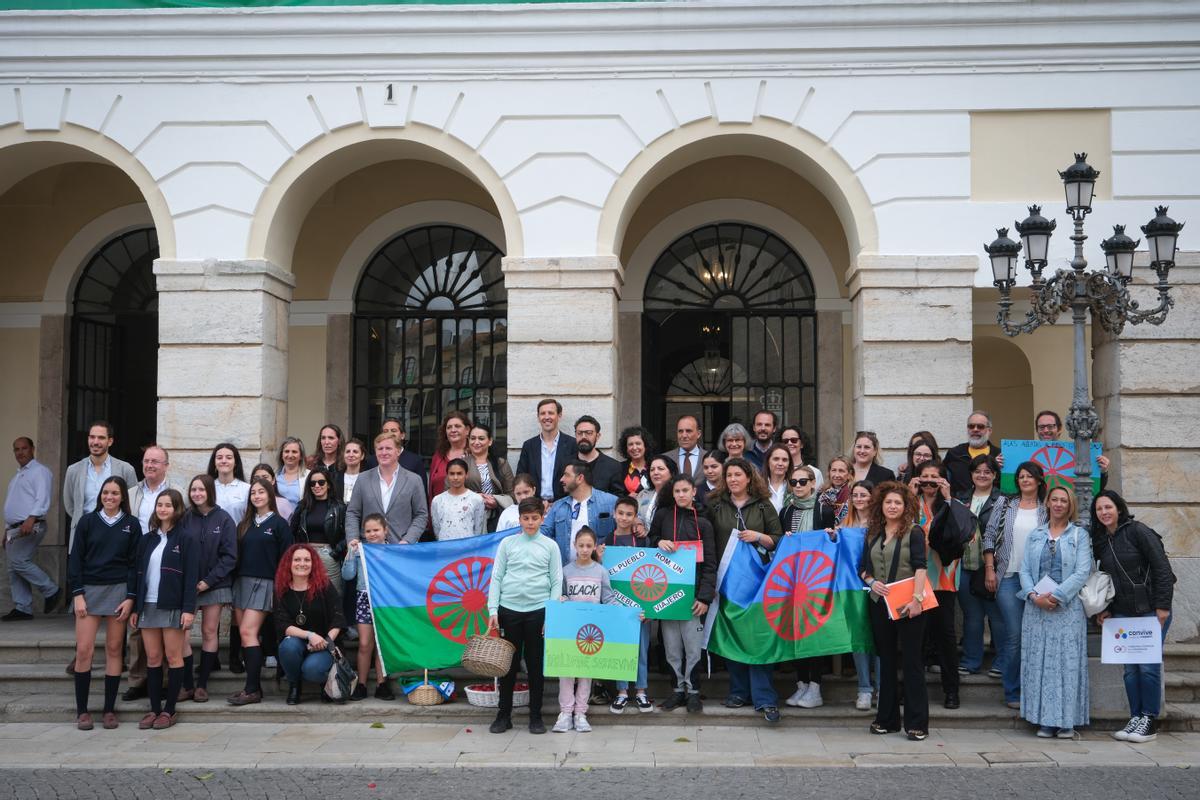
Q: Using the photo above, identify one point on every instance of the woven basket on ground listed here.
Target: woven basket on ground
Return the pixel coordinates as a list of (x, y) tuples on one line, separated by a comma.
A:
[(488, 695), (489, 656), (426, 694)]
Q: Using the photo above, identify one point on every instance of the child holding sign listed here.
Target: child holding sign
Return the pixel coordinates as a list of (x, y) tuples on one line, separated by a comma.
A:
[(677, 526), (584, 581), (625, 535)]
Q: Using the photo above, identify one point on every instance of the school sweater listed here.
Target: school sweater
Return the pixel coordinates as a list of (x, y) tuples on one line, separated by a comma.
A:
[(104, 554), (261, 547)]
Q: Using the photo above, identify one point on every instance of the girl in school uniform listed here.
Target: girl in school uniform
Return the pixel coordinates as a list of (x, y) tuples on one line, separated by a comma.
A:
[(168, 569), (262, 538), (216, 536), (102, 575)]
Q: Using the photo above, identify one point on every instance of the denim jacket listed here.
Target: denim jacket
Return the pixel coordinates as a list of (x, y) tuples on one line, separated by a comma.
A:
[(1075, 550), (557, 524)]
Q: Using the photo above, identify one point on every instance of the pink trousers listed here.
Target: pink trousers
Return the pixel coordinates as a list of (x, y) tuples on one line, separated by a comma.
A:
[(573, 694)]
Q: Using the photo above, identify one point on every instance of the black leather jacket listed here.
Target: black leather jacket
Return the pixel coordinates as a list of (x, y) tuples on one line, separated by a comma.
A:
[(1134, 554), (335, 527)]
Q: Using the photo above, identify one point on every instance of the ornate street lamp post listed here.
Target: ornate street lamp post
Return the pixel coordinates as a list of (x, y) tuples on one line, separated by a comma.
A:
[(1104, 293)]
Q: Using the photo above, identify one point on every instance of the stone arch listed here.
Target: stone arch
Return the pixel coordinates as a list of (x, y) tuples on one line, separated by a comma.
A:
[(1003, 386), (293, 190), (38, 150), (791, 147)]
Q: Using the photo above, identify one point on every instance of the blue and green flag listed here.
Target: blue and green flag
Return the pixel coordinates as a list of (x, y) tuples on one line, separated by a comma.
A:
[(807, 601), (590, 640), (1057, 460), (428, 599)]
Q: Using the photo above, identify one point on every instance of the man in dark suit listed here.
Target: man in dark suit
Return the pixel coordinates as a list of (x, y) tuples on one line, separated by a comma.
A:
[(607, 475), (688, 456), (395, 493), (546, 456)]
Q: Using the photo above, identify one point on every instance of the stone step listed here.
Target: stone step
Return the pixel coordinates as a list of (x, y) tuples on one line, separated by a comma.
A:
[(1182, 687), (1181, 657), (977, 714)]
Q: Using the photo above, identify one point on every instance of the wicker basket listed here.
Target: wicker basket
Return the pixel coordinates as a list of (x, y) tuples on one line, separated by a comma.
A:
[(488, 696), (426, 694), (489, 656)]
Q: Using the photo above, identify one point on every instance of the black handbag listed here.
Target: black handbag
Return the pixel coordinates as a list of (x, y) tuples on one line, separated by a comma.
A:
[(342, 679), (978, 585)]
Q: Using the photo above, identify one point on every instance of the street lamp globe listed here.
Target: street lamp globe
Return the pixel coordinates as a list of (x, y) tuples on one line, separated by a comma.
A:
[(1079, 180), (1003, 254), (1035, 231), (1118, 253), (1162, 234)]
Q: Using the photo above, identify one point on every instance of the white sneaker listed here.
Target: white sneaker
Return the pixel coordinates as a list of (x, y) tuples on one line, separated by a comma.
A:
[(563, 723), (1123, 734), (863, 702), (812, 698), (581, 723), (801, 690)]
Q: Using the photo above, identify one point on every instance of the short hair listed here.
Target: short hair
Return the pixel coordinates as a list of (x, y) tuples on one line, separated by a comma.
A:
[(102, 423), (397, 420), (177, 508), (210, 488), (735, 430), (380, 437), (380, 518), (774, 416), (1035, 470), (626, 500), (588, 418), (984, 414), (531, 505), (154, 446), (582, 469), (692, 417), (548, 401), (982, 459), (25, 439), (629, 433), (1048, 413)]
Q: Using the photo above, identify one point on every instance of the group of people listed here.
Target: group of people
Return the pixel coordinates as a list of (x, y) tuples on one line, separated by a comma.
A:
[(153, 555)]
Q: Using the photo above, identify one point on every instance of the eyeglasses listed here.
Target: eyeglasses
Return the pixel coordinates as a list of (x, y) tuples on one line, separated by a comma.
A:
[(976, 426), (799, 481), (1050, 427), (791, 440), (319, 482)]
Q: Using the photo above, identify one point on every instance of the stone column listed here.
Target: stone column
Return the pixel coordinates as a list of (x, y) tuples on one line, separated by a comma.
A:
[(222, 359), (338, 359), (1147, 391), (911, 347), (562, 334)]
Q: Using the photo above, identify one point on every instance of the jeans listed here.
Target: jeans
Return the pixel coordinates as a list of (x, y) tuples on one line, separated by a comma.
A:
[(1012, 609), (643, 652), (862, 666), (23, 574), (300, 664), (1143, 685), (752, 682), (974, 610)]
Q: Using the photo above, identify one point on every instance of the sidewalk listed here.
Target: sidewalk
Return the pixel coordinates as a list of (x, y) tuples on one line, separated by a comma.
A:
[(415, 745)]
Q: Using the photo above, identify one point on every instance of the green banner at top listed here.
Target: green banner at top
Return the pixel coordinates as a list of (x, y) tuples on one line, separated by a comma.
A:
[(94, 5)]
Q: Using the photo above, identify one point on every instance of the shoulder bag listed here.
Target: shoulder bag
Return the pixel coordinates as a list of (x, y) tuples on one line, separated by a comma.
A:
[(342, 679), (1098, 590)]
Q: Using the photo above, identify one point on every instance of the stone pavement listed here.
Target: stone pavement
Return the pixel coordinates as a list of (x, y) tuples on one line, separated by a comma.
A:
[(413, 745)]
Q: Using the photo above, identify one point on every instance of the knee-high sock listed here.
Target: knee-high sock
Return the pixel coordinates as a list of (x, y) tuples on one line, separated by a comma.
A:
[(253, 657), (174, 681), (83, 682), (207, 660), (112, 685), (235, 644), (188, 673), (154, 676)]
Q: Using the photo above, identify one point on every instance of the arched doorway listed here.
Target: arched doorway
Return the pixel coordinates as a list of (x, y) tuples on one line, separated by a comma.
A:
[(114, 346), (729, 327), (430, 334)]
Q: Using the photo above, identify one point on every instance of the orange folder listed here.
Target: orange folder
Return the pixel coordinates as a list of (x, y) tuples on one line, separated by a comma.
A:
[(900, 594)]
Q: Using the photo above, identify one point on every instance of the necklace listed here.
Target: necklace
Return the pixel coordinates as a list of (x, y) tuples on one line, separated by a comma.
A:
[(300, 618)]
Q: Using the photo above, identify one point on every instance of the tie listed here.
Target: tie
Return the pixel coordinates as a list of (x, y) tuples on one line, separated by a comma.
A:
[(687, 463)]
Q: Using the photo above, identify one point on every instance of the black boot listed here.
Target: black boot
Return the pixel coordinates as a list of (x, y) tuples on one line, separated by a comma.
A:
[(502, 723), (293, 695)]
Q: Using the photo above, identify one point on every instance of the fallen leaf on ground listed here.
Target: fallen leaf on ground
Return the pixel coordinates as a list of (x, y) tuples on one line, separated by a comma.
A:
[(376, 724), (205, 777), (683, 739)]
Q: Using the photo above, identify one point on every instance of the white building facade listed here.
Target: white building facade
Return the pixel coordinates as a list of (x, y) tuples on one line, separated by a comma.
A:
[(239, 224)]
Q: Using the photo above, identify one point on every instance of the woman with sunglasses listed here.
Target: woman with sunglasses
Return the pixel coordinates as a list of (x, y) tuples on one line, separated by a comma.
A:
[(320, 520), (799, 515), (799, 445)]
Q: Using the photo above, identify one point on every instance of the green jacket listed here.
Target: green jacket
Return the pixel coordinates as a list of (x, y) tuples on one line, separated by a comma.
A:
[(757, 515)]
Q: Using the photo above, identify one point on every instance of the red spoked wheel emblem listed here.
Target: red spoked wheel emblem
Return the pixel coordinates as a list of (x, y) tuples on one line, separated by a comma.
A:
[(648, 582), (1058, 463), (456, 600), (589, 639), (798, 595)]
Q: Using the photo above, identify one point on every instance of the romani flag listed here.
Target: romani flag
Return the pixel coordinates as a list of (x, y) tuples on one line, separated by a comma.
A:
[(807, 601), (428, 599)]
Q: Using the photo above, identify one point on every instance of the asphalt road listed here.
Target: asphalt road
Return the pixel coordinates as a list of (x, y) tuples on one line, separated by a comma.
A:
[(927, 783)]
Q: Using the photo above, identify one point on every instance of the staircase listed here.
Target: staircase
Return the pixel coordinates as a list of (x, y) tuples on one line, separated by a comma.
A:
[(35, 687)]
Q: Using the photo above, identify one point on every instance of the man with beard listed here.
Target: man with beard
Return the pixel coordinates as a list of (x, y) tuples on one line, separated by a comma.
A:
[(607, 475), (958, 458), (765, 424)]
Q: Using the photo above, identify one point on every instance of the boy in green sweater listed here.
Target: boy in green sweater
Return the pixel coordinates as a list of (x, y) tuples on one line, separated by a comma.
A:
[(526, 574)]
